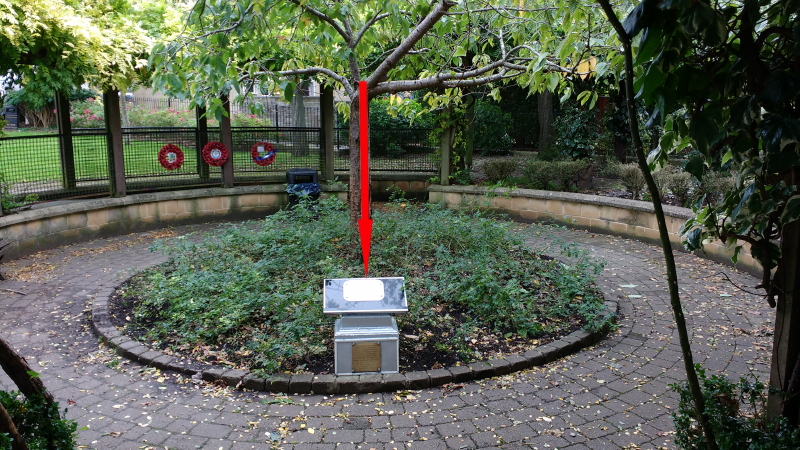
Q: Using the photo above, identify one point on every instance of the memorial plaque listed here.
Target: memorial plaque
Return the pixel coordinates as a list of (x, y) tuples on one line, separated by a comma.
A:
[(367, 357)]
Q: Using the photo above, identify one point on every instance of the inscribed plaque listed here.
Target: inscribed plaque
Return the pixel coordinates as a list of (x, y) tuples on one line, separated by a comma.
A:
[(367, 357)]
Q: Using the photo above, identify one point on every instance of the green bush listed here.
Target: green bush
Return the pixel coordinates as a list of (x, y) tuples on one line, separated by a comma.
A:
[(552, 175), (631, 177), (38, 423), (389, 125), (681, 185), (9, 201), (715, 184), (577, 131), (736, 415), (253, 292), (491, 129), (497, 170)]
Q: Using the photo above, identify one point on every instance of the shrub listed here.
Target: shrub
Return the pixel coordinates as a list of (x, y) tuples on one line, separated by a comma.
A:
[(736, 415), (38, 423), (577, 131), (499, 169), (681, 185), (87, 114), (253, 292), (249, 120), (556, 175), (141, 116), (630, 176), (550, 153), (491, 129), (715, 184)]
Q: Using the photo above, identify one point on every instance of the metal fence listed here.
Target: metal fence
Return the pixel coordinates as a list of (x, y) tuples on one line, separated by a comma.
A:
[(392, 150), (269, 109), (35, 164)]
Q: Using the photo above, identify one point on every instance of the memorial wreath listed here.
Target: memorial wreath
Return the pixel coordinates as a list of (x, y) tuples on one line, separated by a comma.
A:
[(170, 157), (215, 153), (263, 153)]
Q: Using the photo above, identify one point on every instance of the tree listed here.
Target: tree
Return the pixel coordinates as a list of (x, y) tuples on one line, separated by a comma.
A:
[(669, 259), (733, 69), (394, 46)]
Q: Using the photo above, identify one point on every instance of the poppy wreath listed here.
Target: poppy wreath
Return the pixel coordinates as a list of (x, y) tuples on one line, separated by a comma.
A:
[(266, 156), (215, 153), (170, 157)]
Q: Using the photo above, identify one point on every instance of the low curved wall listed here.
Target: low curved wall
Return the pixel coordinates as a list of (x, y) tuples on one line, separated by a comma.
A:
[(621, 217), (74, 221)]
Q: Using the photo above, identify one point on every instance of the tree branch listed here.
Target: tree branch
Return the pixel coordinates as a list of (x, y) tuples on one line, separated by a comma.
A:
[(305, 71), (325, 18), (421, 30), (378, 16)]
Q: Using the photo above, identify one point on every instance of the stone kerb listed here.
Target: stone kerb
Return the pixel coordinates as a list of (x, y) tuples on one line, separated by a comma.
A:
[(346, 384), (608, 215), (48, 227)]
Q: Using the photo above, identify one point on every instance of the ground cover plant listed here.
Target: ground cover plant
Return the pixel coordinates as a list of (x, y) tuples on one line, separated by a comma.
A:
[(250, 296)]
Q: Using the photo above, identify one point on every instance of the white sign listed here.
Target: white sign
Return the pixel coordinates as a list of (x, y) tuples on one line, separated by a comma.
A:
[(363, 290)]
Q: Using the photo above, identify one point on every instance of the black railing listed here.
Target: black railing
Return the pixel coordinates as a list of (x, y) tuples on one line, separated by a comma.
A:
[(392, 150), (296, 147)]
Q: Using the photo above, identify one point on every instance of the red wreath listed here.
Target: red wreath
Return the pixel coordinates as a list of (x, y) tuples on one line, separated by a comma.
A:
[(266, 156), (215, 153), (170, 157)]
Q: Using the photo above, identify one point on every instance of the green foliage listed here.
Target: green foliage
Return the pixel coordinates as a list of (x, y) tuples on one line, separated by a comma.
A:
[(736, 412), (38, 423), (492, 126), (715, 184), (577, 131), (631, 177), (735, 81), (552, 175), (256, 290), (389, 123), (671, 179), (248, 120), (497, 170)]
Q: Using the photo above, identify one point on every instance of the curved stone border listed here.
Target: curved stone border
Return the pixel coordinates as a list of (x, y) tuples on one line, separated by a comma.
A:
[(346, 384), (632, 219)]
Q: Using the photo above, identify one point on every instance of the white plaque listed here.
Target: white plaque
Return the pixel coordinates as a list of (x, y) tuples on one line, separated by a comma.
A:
[(363, 290)]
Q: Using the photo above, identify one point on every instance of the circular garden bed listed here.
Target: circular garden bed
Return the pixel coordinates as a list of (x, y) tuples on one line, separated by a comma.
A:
[(250, 295)]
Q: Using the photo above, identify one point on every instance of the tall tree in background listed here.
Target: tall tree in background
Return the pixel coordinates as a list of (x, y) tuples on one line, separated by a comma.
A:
[(395, 46), (732, 71)]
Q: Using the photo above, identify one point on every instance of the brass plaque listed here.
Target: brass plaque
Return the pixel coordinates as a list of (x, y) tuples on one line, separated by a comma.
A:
[(367, 357)]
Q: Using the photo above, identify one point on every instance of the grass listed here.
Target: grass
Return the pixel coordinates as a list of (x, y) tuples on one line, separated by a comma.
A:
[(250, 295), (91, 158)]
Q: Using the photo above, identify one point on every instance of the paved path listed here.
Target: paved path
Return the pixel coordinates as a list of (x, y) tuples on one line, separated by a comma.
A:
[(613, 395)]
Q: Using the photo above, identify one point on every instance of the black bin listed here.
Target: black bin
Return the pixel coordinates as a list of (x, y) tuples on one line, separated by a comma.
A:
[(11, 115), (301, 183)]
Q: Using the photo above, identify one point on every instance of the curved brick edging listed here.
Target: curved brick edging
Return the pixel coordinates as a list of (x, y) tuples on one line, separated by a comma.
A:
[(346, 384), (632, 219)]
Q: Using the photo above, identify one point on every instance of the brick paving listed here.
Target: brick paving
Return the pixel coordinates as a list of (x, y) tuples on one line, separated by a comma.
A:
[(612, 395)]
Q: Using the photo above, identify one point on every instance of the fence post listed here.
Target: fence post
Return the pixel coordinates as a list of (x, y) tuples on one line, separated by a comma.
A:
[(65, 142), (201, 139), (326, 121), (116, 158), (444, 150), (227, 141)]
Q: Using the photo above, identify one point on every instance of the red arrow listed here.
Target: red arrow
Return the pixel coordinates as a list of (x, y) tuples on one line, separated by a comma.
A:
[(365, 223)]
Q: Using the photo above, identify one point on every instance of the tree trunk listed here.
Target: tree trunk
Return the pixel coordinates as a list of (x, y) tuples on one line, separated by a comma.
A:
[(7, 426), (123, 110), (669, 258), (298, 109), (354, 194), (786, 340), (18, 370), (546, 131), (469, 132)]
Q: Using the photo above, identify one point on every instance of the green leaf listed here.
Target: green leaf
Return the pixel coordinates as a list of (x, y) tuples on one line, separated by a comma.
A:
[(460, 51), (791, 211), (695, 166), (745, 196), (694, 239)]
